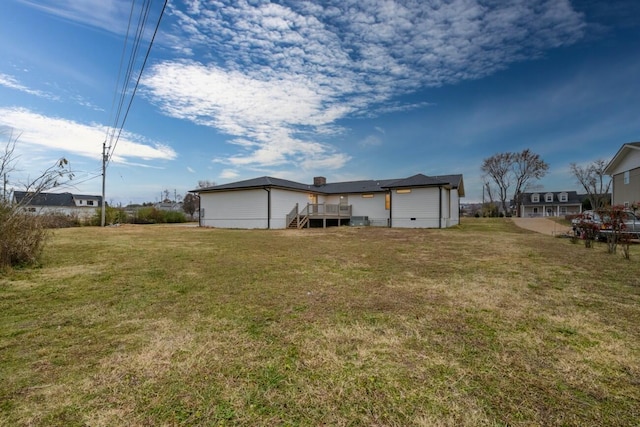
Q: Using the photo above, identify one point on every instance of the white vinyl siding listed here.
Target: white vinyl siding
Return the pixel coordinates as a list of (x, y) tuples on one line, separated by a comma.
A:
[(418, 209), (80, 212), (248, 208), (372, 207), (631, 161), (235, 209), (282, 201), (454, 204)]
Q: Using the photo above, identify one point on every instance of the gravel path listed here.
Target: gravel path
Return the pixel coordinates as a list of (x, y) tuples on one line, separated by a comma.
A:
[(541, 225)]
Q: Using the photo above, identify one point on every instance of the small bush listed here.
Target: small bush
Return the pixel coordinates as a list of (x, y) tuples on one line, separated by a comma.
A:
[(111, 216), (151, 215), (22, 237), (173, 217), (60, 221)]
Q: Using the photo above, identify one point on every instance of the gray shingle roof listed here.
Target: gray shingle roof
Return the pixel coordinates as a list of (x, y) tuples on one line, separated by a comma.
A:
[(262, 182), (364, 186), (573, 198), (418, 180)]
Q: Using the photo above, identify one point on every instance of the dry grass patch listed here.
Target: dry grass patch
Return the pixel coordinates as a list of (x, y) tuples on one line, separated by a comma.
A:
[(482, 324)]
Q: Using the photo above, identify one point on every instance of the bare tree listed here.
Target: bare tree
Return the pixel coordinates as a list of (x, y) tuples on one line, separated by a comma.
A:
[(527, 166), (204, 183), (594, 181), (513, 169), (498, 169), (489, 209), (22, 236), (7, 163)]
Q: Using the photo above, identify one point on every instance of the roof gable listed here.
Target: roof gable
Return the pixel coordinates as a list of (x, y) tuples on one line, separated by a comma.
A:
[(617, 160), (418, 180)]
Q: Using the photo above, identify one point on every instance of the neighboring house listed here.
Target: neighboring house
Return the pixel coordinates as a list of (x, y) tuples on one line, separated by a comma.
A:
[(271, 203), (624, 169), (550, 203), (76, 205), (168, 205)]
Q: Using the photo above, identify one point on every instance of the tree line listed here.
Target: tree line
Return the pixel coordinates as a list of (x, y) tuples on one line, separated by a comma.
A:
[(506, 176)]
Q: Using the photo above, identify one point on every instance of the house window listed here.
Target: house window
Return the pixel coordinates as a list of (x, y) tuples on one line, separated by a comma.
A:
[(548, 197), (80, 202), (563, 210), (89, 202), (31, 209), (563, 197), (403, 191), (535, 198), (626, 177), (367, 196), (535, 211)]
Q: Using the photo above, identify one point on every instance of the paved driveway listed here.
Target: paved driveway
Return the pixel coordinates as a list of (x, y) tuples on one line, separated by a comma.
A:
[(541, 225)]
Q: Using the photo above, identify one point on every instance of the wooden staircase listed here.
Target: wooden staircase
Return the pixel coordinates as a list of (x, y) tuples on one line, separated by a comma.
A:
[(298, 222), (296, 219)]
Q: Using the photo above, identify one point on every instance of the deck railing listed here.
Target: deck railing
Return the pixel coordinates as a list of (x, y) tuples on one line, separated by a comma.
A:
[(328, 210), (317, 211)]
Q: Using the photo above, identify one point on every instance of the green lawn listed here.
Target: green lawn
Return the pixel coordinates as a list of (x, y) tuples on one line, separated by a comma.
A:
[(481, 324)]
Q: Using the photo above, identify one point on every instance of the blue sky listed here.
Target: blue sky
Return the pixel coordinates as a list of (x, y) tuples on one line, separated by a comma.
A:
[(346, 89)]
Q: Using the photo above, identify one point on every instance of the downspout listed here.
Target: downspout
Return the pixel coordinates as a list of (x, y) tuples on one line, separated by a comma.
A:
[(199, 211), (390, 209), (440, 207), (268, 190)]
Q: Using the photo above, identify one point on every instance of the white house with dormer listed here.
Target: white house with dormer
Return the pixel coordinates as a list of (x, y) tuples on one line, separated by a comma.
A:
[(550, 203)]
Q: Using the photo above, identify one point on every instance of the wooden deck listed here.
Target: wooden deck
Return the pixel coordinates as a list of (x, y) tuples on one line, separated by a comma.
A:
[(300, 218)]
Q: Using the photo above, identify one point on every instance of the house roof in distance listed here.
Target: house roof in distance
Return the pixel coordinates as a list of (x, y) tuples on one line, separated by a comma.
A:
[(364, 186), (573, 198), (52, 199)]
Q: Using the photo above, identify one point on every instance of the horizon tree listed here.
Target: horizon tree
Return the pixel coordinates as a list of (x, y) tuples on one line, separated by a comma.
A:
[(190, 204), (513, 169), (594, 181)]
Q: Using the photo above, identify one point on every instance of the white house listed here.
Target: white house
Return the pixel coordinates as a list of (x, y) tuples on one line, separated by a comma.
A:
[(271, 203), (77, 205), (550, 203)]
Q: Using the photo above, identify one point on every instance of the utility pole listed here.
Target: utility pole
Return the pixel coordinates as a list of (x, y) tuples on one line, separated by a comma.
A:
[(104, 176)]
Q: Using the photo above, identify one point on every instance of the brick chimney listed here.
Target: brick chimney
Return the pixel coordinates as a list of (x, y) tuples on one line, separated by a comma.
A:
[(319, 181)]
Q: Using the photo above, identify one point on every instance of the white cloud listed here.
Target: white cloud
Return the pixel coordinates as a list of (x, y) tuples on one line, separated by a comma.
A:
[(72, 137), (276, 72), (11, 83), (190, 170), (109, 15), (229, 174), (371, 141)]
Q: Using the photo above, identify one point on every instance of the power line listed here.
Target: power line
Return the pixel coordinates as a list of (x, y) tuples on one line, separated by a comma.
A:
[(142, 22), (108, 152), (144, 63)]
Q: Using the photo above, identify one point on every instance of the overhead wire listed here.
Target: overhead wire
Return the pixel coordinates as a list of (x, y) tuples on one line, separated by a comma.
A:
[(115, 92), (140, 31), (142, 23)]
